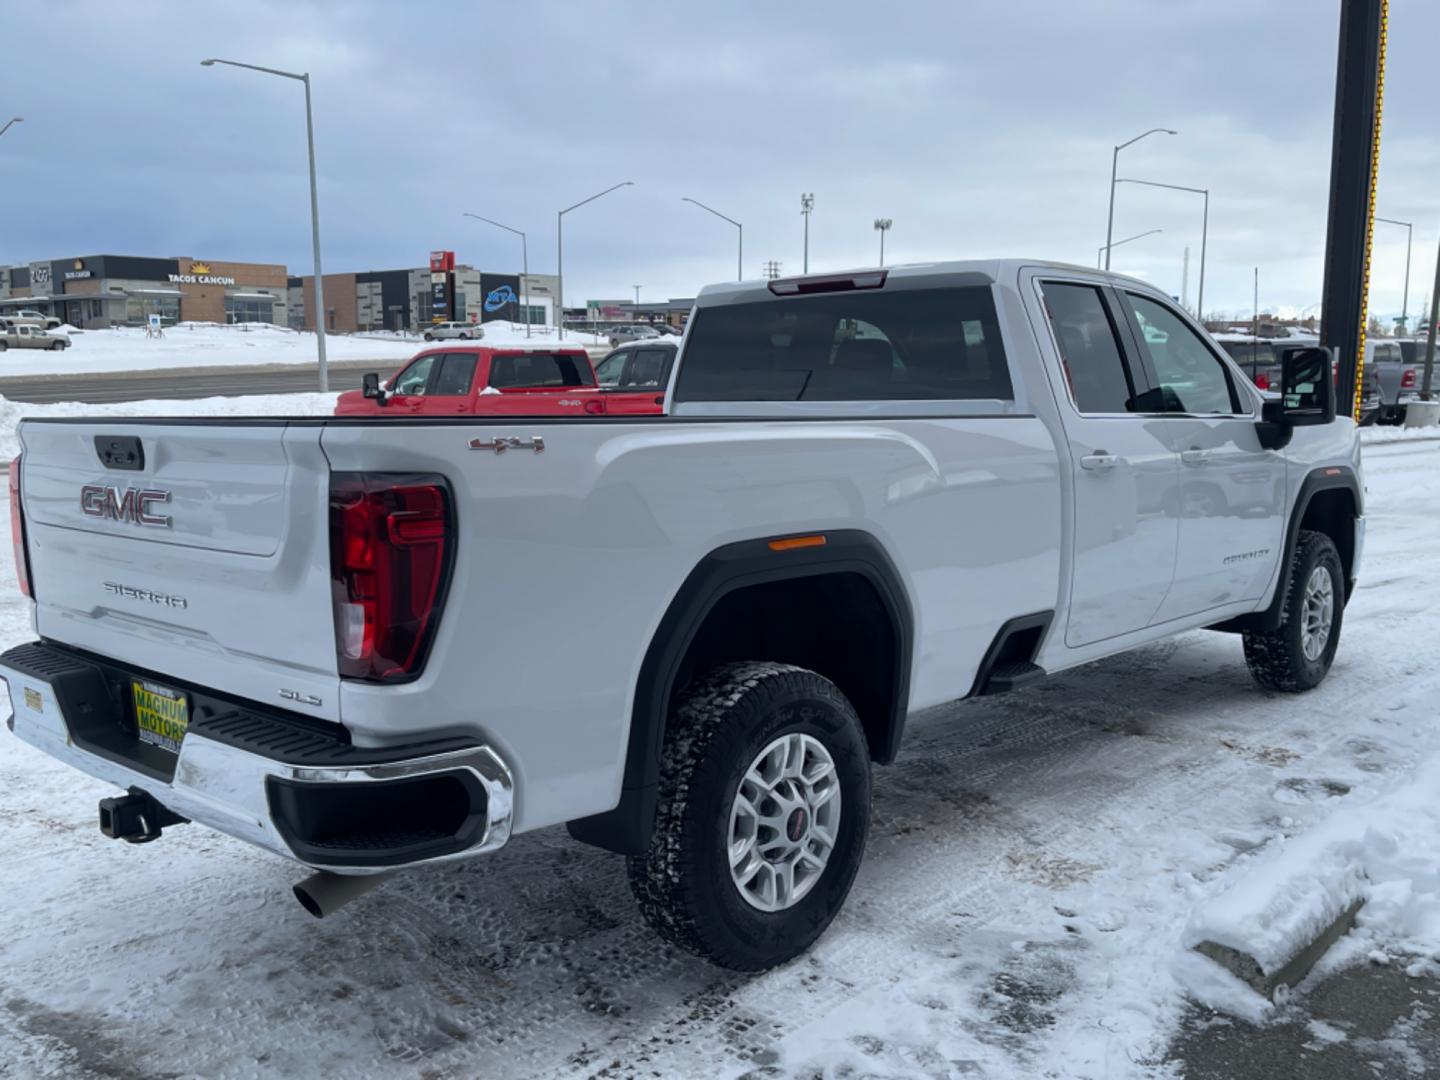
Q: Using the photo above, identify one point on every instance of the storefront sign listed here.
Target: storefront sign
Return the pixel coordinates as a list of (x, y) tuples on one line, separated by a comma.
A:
[(77, 272), (39, 275), (200, 275), (501, 293)]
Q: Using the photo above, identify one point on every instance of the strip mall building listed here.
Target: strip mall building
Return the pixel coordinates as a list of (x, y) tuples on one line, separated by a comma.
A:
[(125, 290), (110, 290)]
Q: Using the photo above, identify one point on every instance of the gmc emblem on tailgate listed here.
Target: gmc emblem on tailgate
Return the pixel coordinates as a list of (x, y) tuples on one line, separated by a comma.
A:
[(134, 505)]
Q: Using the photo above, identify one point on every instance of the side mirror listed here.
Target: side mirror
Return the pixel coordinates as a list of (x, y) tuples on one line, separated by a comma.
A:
[(1307, 387), (1307, 396), (370, 387)]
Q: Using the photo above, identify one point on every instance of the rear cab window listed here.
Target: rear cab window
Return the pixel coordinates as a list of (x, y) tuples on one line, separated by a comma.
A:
[(1088, 341), (897, 344)]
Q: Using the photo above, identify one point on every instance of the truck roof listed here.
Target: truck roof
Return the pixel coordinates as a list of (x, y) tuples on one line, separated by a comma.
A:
[(976, 271)]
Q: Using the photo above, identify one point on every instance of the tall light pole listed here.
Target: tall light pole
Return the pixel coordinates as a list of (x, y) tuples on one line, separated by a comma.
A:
[(1114, 163), (1100, 251), (8, 123), (740, 248), (807, 203), (637, 294), (882, 226), (560, 246), (1204, 230), (314, 205), (524, 261), (1405, 300)]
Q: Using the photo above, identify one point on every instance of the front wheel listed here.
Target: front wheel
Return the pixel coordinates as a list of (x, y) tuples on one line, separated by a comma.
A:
[(1297, 656), (764, 809), (429, 337)]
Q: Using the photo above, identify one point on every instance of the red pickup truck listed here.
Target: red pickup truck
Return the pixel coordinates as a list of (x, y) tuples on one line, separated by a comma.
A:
[(482, 380)]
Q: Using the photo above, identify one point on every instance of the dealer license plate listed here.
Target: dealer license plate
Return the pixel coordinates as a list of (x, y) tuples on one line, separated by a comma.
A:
[(161, 714)]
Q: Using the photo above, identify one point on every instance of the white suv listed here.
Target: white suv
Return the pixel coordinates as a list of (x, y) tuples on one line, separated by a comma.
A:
[(463, 331)]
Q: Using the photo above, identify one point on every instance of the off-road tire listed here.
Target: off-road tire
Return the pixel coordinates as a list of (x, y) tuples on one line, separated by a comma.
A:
[(1276, 658), (683, 882)]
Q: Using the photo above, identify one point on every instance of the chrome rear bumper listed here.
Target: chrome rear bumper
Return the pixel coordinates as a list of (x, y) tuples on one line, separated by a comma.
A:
[(246, 794)]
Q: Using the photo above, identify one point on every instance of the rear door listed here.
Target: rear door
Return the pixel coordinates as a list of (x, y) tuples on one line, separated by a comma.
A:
[(531, 383), (211, 559), (452, 377), (1126, 472)]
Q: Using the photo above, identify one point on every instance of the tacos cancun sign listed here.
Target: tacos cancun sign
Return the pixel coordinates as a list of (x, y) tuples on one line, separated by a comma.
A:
[(200, 275)]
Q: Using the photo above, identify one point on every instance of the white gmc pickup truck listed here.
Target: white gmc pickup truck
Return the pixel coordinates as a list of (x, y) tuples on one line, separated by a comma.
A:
[(369, 643)]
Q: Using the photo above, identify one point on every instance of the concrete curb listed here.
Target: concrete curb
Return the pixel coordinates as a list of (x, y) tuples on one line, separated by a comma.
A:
[(1249, 971)]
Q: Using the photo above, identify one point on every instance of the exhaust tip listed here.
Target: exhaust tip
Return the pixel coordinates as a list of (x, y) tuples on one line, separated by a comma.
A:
[(324, 893), (306, 900)]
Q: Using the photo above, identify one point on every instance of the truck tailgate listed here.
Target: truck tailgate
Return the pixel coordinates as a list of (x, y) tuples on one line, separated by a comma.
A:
[(211, 558)]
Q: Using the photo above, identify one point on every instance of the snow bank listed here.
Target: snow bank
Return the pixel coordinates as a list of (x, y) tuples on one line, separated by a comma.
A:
[(190, 345), (1372, 435), (1386, 853)]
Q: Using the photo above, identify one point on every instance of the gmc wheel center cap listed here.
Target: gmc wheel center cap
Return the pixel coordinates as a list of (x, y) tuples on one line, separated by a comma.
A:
[(797, 824)]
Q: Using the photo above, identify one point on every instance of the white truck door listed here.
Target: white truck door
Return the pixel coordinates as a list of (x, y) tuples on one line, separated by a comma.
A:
[(1126, 472), (1232, 490)]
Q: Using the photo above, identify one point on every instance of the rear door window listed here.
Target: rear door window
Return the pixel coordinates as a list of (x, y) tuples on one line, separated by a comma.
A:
[(646, 370), (1085, 334), (864, 345), (457, 372), (537, 370)]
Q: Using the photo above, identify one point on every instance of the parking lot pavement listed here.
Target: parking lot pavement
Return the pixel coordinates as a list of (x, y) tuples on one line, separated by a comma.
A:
[(1370, 1020)]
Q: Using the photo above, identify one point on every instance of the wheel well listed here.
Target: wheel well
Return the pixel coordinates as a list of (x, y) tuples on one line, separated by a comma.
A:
[(835, 624), (1332, 512)]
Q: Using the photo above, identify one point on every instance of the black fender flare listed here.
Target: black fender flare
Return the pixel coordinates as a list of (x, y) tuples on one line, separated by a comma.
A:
[(627, 828), (1325, 478)]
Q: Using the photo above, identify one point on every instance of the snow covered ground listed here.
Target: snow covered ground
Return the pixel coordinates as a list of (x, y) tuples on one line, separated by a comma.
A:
[(1036, 863), (207, 345)]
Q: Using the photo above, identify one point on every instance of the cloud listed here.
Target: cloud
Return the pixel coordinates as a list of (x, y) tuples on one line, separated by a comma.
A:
[(981, 128)]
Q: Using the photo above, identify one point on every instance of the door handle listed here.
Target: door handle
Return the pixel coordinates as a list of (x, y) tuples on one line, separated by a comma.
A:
[(1099, 461), (1194, 456)]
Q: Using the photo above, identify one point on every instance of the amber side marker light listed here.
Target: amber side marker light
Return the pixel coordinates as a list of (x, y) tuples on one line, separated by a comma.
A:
[(790, 543)]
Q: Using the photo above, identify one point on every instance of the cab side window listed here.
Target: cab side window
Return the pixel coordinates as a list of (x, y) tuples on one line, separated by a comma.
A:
[(1099, 380), (646, 369), (412, 381), (1192, 378)]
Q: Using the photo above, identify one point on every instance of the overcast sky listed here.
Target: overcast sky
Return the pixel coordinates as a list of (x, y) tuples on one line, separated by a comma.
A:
[(980, 128)]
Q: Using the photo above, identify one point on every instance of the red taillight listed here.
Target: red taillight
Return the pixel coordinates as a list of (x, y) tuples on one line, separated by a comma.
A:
[(391, 543), (17, 530), (1407, 380), (1262, 380)]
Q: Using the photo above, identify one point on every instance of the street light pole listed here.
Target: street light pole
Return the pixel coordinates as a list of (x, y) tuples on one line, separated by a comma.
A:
[(524, 262), (882, 226), (740, 249), (1405, 300), (1204, 230), (9, 123), (560, 247), (1114, 164), (1100, 251), (314, 206), (637, 295), (807, 203)]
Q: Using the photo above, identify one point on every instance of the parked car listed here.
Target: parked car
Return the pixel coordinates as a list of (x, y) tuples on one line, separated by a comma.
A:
[(689, 638), (25, 336), (483, 381), (1400, 367), (454, 331), (36, 319), (633, 332), (1260, 359), (633, 377)]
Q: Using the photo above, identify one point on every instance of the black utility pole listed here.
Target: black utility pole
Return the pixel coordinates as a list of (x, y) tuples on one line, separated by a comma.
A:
[(1354, 163)]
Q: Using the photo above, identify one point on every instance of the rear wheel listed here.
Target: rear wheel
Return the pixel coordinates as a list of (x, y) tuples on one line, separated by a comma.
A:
[(429, 337), (1297, 655), (764, 808)]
